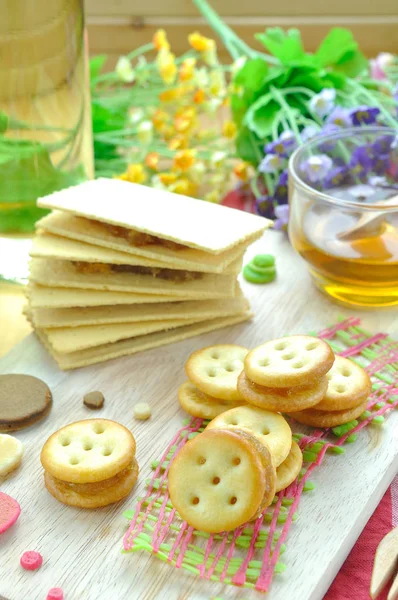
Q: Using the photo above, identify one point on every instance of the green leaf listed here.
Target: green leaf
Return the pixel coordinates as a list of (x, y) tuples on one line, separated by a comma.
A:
[(286, 46), (96, 65), (249, 84), (3, 122), (334, 46), (106, 119), (246, 146), (260, 116), (333, 79), (239, 106), (310, 80), (352, 64), (252, 74)]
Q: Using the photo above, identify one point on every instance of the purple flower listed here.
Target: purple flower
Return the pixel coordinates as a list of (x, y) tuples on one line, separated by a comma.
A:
[(309, 132), (281, 191), (316, 167), (271, 163), (364, 115), (282, 216), (340, 116), (283, 146), (381, 164), (264, 207), (359, 165), (335, 177), (383, 144), (364, 155), (323, 103)]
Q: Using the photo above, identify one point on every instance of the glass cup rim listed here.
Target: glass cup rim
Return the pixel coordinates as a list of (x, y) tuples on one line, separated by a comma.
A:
[(322, 196)]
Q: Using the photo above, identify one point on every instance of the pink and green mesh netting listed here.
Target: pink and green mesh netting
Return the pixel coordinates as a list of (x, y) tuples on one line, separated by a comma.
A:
[(251, 555)]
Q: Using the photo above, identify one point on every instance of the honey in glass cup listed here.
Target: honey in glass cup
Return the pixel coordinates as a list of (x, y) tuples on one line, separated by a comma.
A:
[(343, 215)]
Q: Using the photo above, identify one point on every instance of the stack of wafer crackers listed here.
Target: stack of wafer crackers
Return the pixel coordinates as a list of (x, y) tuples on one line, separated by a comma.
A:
[(118, 268)]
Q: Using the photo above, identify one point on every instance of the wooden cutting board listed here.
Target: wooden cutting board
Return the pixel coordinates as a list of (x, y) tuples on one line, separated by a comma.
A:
[(81, 549)]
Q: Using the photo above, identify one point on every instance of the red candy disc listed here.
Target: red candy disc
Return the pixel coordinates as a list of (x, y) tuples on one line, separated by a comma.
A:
[(31, 560), (55, 594), (9, 511)]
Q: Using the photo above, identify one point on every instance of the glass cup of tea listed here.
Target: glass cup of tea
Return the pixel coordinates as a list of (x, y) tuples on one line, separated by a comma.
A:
[(343, 197)]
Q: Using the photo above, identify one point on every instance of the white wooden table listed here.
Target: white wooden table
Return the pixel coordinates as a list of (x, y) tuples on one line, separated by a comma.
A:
[(81, 548)]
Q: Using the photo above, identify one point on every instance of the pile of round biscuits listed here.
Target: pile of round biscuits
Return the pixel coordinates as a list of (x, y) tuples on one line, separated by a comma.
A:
[(229, 474), (90, 463)]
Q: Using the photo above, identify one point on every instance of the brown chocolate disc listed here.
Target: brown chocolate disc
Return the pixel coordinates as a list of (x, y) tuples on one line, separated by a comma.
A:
[(24, 400)]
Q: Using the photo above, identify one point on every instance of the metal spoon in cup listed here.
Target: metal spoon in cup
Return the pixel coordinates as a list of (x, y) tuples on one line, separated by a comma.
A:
[(368, 221)]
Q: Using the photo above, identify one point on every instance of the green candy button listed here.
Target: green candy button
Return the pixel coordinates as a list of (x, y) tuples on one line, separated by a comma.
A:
[(261, 269), (250, 275), (263, 260)]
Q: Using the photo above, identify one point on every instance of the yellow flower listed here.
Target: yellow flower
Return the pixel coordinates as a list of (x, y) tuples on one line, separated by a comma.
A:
[(145, 132), (159, 119), (185, 119), (199, 97), (166, 65), (184, 159), (168, 132), (171, 95), (241, 171), (167, 178), (135, 174), (187, 69), (200, 42), (152, 160), (217, 83), (229, 129), (184, 186), (178, 142), (213, 196), (160, 40)]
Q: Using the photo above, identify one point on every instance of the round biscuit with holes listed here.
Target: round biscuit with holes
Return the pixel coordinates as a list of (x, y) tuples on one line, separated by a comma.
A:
[(270, 428), (320, 418), (199, 404), (217, 480), (215, 370), (88, 451), (290, 469), (348, 386), (94, 495), (269, 470), (281, 399), (290, 361)]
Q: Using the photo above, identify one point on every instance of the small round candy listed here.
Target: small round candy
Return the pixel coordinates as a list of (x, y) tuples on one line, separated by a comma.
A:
[(9, 511), (142, 411), (261, 270), (31, 560), (55, 594), (263, 260), (253, 277)]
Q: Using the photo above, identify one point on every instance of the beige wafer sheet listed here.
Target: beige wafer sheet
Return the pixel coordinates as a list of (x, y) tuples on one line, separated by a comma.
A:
[(72, 339), (76, 228), (131, 346), (48, 297), (47, 245), (61, 273), (131, 313), (194, 223)]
